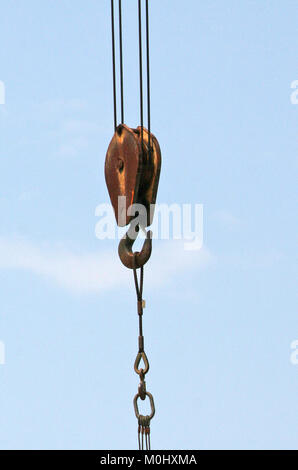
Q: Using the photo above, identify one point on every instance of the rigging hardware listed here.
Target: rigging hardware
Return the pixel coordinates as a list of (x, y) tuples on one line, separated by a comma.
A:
[(132, 169)]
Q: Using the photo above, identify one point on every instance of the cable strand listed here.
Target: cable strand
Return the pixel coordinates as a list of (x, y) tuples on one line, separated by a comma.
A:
[(148, 77), (141, 71), (121, 61), (114, 63)]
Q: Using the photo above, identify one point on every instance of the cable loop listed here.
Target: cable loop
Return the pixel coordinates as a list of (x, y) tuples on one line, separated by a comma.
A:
[(140, 356), (136, 408)]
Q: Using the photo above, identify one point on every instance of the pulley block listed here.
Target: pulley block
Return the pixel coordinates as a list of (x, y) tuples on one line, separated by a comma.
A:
[(132, 170)]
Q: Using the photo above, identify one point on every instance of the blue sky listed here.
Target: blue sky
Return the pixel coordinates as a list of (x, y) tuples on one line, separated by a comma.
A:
[(219, 322)]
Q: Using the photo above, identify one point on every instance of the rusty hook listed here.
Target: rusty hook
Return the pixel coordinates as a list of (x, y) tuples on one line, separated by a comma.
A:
[(136, 259)]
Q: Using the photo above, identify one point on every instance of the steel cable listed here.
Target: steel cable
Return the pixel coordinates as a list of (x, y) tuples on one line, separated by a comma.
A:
[(141, 70), (114, 64), (121, 62), (148, 77)]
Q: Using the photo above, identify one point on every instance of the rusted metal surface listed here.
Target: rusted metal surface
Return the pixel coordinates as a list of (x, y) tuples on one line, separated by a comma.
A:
[(132, 170), (123, 170), (141, 417), (136, 259), (151, 171)]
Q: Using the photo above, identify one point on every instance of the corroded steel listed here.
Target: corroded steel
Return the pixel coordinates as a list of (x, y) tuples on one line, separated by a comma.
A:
[(136, 259), (132, 170), (137, 413)]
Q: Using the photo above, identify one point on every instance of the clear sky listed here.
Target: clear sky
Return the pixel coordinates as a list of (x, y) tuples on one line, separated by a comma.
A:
[(219, 323)]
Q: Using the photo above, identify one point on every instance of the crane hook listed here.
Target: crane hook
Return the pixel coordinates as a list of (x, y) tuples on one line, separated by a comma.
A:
[(136, 259)]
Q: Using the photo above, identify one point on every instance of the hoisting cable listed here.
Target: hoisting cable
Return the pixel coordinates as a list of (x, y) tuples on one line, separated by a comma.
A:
[(114, 64), (143, 421), (141, 72), (121, 62), (148, 78)]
